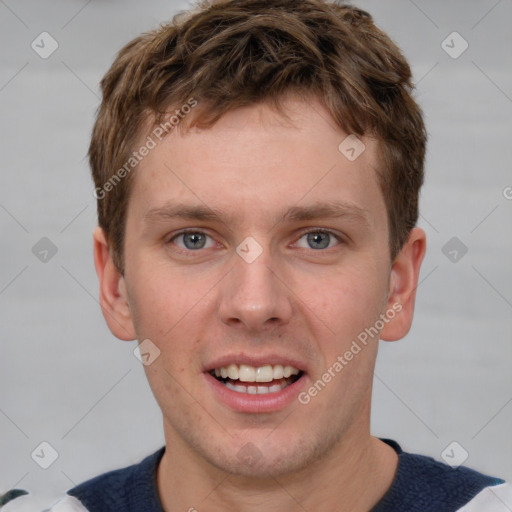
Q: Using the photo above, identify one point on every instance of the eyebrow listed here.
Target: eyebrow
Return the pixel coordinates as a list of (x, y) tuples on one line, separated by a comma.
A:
[(186, 211), (336, 209), (321, 210)]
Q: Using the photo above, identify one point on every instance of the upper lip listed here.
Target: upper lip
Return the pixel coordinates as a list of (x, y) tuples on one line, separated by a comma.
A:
[(256, 361)]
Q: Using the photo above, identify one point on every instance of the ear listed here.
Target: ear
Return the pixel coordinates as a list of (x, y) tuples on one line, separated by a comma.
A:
[(113, 297), (403, 282)]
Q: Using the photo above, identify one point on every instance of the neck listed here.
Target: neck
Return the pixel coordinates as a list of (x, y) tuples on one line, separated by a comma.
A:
[(353, 476)]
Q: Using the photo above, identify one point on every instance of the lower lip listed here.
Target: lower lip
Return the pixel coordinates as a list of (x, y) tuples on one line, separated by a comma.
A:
[(245, 402)]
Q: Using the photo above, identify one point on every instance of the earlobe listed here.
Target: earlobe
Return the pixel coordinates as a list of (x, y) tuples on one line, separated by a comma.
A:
[(113, 296), (403, 283)]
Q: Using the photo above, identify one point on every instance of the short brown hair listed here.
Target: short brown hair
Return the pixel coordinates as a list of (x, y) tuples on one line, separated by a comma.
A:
[(234, 53)]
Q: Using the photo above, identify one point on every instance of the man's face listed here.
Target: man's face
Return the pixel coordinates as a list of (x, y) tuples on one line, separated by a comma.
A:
[(292, 267)]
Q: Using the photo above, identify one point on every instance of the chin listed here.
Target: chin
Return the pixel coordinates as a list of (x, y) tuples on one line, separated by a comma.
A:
[(265, 458)]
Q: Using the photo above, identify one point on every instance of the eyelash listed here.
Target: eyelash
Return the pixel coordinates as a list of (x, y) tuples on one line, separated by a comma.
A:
[(303, 233)]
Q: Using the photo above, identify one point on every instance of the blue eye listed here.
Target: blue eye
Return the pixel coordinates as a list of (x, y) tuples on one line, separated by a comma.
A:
[(319, 240), (192, 240), (197, 240)]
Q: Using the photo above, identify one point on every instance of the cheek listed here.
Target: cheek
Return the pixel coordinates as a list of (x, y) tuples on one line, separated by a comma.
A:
[(163, 302), (170, 311), (347, 301)]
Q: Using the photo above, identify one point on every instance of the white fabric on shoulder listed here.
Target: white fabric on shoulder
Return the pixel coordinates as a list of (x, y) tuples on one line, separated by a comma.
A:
[(497, 498), (35, 503), (67, 504), (25, 503)]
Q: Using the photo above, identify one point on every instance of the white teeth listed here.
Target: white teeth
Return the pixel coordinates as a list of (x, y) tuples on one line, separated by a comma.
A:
[(246, 373), (264, 374), (288, 370), (256, 390), (278, 371), (252, 390), (233, 371), (249, 374)]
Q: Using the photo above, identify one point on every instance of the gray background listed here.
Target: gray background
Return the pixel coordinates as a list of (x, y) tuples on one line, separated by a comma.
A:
[(67, 381)]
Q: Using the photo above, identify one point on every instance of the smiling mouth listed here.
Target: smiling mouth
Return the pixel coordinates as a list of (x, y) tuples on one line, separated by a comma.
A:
[(253, 380)]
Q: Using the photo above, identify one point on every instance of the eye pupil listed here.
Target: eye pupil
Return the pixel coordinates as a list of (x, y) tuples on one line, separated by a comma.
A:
[(193, 240), (318, 240)]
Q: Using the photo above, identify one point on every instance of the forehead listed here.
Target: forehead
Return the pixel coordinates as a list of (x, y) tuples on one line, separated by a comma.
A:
[(255, 159)]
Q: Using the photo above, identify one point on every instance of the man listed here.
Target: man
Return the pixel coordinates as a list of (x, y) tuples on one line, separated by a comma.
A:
[(257, 167)]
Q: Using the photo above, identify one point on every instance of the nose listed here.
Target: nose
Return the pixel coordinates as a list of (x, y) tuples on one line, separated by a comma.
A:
[(254, 295)]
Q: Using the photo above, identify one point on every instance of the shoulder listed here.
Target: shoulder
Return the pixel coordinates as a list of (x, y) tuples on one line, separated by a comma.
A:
[(67, 504), (130, 488), (37, 503), (426, 472), (423, 484)]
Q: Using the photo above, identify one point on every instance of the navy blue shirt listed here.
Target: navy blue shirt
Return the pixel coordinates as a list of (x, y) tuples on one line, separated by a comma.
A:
[(421, 484)]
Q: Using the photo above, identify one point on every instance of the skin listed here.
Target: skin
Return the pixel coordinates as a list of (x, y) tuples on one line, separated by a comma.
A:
[(308, 303)]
